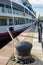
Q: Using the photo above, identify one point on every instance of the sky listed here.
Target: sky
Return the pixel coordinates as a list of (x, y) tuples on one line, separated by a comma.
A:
[(37, 6)]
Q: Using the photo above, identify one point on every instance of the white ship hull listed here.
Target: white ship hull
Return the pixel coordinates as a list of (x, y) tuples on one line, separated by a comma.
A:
[(16, 29)]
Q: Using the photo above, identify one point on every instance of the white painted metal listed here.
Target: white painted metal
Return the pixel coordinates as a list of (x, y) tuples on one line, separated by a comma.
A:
[(3, 29)]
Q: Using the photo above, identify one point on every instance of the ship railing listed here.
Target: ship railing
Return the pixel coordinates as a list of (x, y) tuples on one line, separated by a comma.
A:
[(0, 9), (8, 10), (18, 12), (28, 15), (5, 10)]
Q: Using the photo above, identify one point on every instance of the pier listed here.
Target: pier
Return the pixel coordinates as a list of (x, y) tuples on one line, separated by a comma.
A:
[(29, 35), (21, 32)]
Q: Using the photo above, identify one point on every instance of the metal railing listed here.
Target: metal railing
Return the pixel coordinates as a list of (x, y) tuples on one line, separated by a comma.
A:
[(8, 10), (5, 10)]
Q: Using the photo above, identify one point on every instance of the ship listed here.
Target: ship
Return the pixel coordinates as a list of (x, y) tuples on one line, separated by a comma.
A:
[(16, 15)]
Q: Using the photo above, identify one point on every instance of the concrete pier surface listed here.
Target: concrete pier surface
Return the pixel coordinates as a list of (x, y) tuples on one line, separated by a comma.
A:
[(30, 35)]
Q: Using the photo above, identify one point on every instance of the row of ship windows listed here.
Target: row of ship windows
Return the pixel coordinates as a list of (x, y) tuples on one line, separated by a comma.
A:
[(15, 12), (16, 22), (8, 9), (2, 5)]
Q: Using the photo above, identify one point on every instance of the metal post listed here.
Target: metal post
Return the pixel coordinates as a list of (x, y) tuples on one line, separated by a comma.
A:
[(40, 33), (38, 26)]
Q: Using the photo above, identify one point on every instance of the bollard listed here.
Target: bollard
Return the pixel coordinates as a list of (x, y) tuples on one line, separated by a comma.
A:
[(40, 33), (23, 49), (38, 26), (41, 28), (38, 23)]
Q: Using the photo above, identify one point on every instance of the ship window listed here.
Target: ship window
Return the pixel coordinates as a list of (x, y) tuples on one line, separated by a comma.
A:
[(8, 6), (26, 20), (3, 22), (15, 22), (10, 22), (24, 3), (19, 21), (1, 5), (16, 9)]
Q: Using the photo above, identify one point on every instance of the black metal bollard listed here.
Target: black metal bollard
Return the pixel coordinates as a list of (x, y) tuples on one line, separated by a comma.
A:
[(40, 33), (23, 49), (38, 23), (39, 36), (38, 26), (41, 28)]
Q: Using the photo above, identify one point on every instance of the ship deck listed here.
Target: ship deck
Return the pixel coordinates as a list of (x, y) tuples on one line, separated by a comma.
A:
[(30, 35)]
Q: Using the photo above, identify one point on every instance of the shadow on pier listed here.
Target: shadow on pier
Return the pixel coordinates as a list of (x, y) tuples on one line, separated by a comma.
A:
[(5, 41)]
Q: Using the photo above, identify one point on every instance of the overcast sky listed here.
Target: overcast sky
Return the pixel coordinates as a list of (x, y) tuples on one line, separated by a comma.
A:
[(37, 5)]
